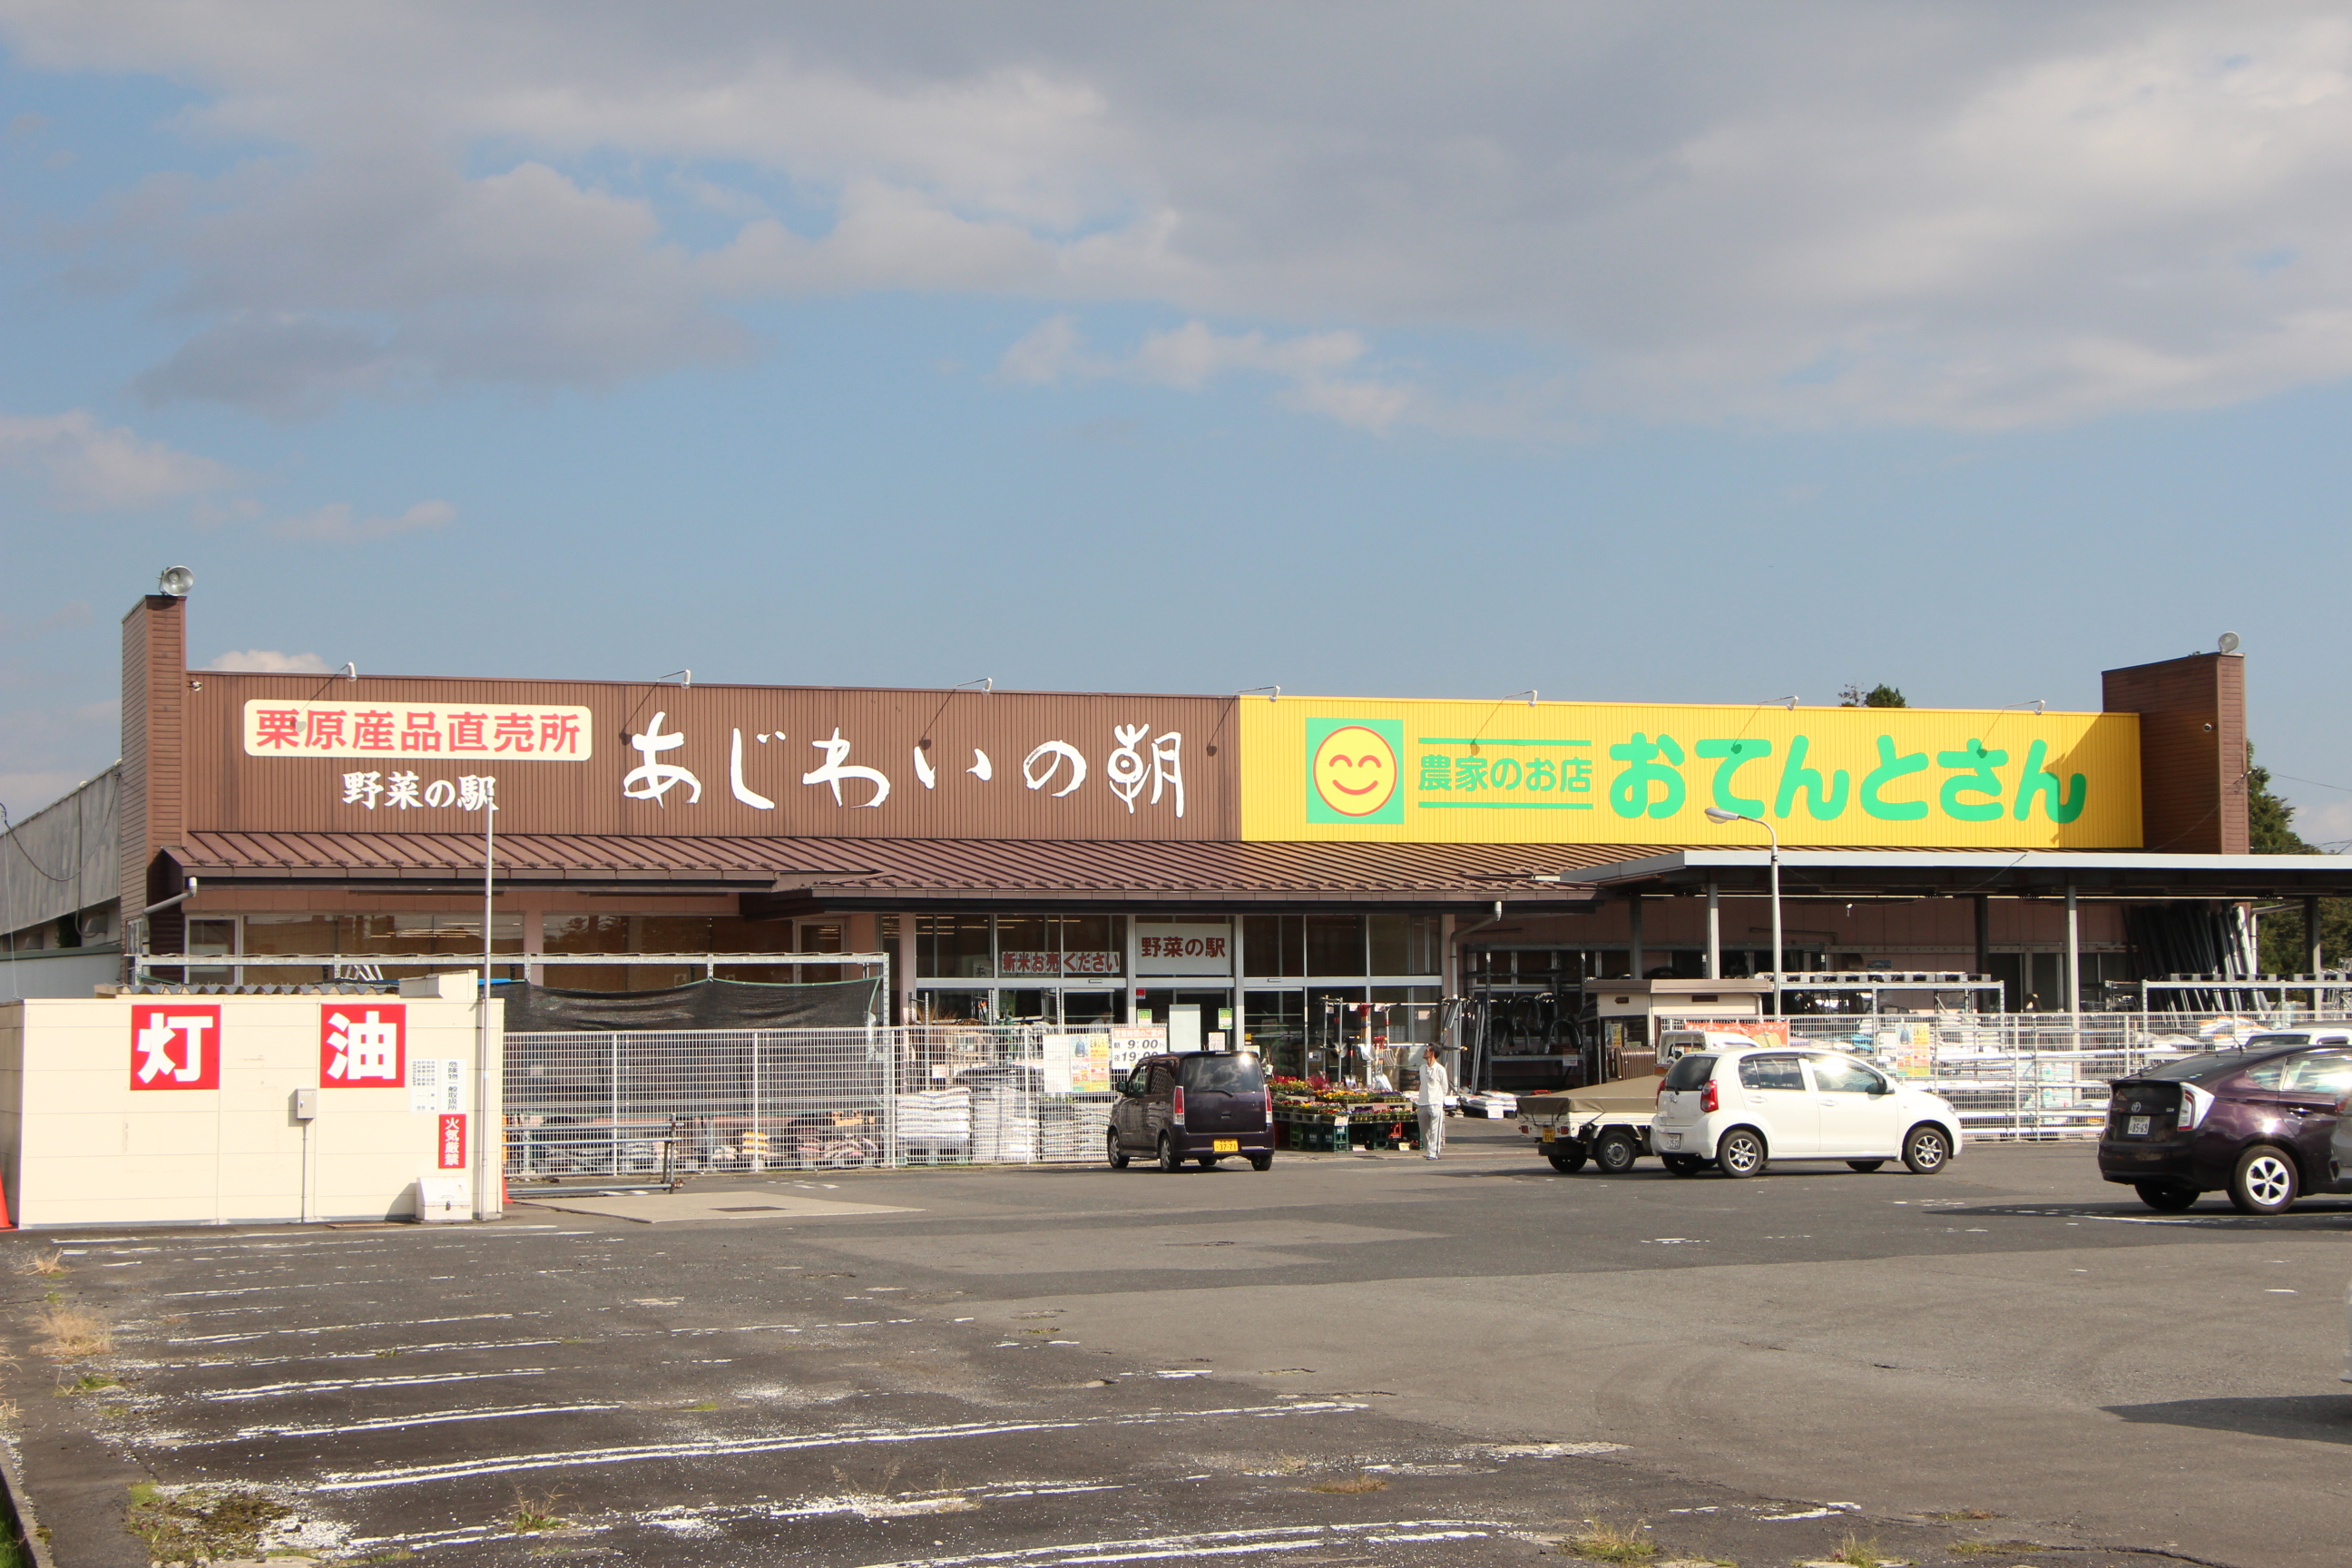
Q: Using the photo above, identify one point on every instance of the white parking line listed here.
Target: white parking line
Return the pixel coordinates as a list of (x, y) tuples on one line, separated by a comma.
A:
[(394, 1422), (323, 1385), (508, 1464)]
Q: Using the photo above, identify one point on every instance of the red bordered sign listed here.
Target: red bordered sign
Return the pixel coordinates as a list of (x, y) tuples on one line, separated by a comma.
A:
[(362, 1043), (175, 1045), (453, 1142)]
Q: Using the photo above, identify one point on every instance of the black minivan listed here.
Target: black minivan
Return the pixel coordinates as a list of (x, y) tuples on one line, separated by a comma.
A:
[(1198, 1105)]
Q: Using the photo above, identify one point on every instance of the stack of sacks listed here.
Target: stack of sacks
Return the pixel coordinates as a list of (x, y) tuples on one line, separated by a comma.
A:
[(938, 1120)]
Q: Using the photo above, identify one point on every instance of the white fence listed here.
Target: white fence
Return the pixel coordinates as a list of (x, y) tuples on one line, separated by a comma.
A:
[(647, 1105), (2024, 1075)]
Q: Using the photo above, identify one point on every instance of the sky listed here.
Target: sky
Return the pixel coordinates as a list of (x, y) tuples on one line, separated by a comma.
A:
[(1622, 350)]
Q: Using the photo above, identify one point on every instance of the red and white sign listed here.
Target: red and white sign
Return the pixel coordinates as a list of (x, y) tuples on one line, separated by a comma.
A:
[(362, 1043), (418, 732), (453, 1142), (1011, 962), (175, 1045)]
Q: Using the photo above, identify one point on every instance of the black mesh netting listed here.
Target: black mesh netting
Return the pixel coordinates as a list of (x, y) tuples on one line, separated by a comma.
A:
[(703, 1005)]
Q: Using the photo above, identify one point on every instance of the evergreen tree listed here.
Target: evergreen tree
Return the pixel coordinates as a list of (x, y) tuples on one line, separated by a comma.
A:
[(1879, 695), (2269, 831)]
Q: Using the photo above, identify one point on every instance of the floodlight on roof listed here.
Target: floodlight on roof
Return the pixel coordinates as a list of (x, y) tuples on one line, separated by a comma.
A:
[(175, 581)]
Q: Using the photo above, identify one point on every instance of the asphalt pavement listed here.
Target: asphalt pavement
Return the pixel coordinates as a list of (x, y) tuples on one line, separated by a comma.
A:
[(1368, 1359)]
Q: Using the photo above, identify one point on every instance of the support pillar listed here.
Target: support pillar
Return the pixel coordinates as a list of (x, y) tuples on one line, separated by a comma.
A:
[(1984, 945), (1638, 957), (1714, 932), (2073, 958)]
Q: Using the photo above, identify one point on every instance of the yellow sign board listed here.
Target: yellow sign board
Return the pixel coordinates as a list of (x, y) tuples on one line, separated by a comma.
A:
[(1385, 770)]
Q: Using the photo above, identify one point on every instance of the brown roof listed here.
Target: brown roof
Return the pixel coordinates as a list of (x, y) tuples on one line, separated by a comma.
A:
[(885, 872)]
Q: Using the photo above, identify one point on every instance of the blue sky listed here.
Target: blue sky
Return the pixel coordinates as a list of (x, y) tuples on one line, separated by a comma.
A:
[(1620, 352)]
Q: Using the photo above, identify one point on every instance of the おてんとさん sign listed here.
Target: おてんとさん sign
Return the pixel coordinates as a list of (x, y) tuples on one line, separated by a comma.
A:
[(175, 1045), (362, 1043), (1582, 773)]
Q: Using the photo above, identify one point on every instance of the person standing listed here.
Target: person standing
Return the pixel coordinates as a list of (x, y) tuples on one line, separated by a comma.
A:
[(1429, 1103)]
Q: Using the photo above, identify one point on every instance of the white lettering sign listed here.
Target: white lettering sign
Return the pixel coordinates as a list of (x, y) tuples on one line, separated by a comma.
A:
[(416, 731)]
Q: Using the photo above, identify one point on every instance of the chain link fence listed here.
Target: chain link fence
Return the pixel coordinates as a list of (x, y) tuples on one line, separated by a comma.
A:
[(657, 1106), (2022, 1075)]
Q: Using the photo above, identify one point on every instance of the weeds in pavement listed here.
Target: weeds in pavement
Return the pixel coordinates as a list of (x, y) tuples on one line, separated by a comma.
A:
[(42, 1263), (1614, 1543), (200, 1523), (68, 1333), (1355, 1487), (10, 1412), (1959, 1514), (1856, 1552), (88, 1383), (1982, 1548), (536, 1513)]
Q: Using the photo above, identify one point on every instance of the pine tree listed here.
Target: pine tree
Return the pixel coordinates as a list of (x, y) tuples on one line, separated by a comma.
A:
[(1879, 695)]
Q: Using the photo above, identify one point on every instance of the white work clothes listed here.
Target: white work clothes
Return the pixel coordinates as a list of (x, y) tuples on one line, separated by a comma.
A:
[(1429, 1108)]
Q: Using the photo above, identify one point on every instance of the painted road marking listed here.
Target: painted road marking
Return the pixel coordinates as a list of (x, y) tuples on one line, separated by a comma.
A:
[(507, 1464), (275, 1390)]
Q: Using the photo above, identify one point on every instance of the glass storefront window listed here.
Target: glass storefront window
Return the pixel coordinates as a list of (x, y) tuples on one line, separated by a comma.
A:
[(1390, 938), (953, 947), (1335, 945), (1273, 946), (1412, 1019)]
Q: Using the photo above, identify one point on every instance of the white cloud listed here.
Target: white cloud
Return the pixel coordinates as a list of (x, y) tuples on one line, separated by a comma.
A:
[(1191, 357), (91, 467), (268, 661), (1943, 213), (333, 524)]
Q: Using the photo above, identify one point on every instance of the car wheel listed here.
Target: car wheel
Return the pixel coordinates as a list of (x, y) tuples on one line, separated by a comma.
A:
[(1865, 1166), (2265, 1181), (1615, 1153), (1567, 1159), (1927, 1150), (1741, 1152), (1261, 1162), (1117, 1154), (2166, 1197), (1206, 1162), (1683, 1164), (1170, 1161)]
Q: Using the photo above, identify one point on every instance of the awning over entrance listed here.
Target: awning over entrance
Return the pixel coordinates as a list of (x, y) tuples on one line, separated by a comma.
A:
[(1954, 873), (783, 876)]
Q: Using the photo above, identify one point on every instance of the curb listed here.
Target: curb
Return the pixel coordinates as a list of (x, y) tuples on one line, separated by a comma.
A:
[(20, 1510)]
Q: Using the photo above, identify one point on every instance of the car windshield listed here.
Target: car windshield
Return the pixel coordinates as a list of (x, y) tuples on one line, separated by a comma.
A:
[(1231, 1075), (1690, 1072)]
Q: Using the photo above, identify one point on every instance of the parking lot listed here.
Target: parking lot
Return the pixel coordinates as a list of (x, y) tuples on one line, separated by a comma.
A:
[(1348, 1359)]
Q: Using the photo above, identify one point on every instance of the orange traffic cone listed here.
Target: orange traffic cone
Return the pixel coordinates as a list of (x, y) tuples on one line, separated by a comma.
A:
[(7, 1221)]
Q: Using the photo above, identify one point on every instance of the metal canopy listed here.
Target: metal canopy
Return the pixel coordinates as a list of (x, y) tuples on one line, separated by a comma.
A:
[(1953, 873)]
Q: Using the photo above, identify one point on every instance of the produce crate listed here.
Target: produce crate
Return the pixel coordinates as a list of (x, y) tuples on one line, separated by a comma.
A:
[(1371, 1125)]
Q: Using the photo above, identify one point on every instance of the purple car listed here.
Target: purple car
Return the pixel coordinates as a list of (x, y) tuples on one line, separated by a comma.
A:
[(2254, 1122), (1202, 1106)]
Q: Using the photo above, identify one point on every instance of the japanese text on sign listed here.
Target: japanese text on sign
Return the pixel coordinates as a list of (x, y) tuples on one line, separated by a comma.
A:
[(175, 1046), (404, 791), (452, 1142), (362, 1043), (419, 731), (1010, 963)]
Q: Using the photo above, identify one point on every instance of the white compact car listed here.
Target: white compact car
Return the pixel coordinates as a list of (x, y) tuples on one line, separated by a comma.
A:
[(1741, 1109)]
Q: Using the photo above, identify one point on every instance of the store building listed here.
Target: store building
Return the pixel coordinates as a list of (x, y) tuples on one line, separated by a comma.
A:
[(1310, 866)]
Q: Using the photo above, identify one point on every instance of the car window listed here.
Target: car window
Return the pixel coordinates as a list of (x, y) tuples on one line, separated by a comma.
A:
[(2205, 1064), (1229, 1075), (2269, 1074), (1137, 1079), (2278, 1042), (1691, 1072), (1163, 1076), (2318, 1072), (1842, 1075), (1770, 1072)]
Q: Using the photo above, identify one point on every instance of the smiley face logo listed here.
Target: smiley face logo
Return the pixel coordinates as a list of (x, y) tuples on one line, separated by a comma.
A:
[(1354, 771)]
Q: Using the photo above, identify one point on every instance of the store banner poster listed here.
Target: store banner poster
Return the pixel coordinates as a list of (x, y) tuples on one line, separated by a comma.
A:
[(1585, 772), (1077, 1064)]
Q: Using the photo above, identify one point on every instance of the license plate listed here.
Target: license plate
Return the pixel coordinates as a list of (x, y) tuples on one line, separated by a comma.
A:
[(1548, 1134), (1670, 1140), (2136, 1127), (1226, 1146)]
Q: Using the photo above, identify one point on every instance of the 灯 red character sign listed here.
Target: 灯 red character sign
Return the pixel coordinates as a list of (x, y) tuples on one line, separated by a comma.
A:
[(175, 1044), (362, 1043), (453, 1142)]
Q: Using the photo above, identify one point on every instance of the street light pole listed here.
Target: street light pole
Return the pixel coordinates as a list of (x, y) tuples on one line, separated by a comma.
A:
[(1715, 813)]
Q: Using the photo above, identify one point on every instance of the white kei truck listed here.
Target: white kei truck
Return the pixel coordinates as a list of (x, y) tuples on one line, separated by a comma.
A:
[(1608, 1124)]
